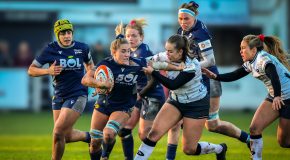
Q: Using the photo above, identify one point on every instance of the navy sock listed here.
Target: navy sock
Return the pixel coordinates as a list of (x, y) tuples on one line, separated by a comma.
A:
[(171, 151), (96, 155), (128, 147), (244, 137), (107, 149), (88, 138)]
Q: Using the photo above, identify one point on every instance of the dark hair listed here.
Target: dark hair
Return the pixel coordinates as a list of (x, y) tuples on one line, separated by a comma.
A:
[(180, 42), (193, 6), (273, 46)]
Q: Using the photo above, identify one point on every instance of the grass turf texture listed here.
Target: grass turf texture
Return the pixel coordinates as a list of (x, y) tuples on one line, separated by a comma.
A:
[(26, 136)]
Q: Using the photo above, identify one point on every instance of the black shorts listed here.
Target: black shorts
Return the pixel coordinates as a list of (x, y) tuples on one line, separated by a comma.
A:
[(150, 108), (195, 110), (284, 112)]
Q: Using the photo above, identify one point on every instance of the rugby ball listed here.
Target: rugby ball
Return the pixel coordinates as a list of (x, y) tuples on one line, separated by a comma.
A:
[(104, 73)]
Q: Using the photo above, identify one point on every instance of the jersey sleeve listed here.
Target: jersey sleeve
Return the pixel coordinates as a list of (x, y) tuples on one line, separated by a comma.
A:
[(262, 64), (43, 58), (247, 66), (87, 55)]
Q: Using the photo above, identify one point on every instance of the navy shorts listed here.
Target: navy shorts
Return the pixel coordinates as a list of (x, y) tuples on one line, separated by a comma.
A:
[(284, 112), (77, 104), (150, 108), (102, 106), (213, 87), (195, 110)]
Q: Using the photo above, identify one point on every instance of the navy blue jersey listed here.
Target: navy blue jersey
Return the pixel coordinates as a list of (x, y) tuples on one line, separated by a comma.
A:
[(68, 82), (125, 81), (198, 37), (156, 92)]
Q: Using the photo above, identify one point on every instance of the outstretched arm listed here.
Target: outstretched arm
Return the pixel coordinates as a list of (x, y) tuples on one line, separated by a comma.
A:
[(227, 77)]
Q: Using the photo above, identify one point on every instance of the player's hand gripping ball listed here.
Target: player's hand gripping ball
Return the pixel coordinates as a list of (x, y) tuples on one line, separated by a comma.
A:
[(103, 74)]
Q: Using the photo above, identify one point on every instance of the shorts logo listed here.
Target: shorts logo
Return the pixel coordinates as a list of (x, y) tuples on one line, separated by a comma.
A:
[(72, 101), (140, 153), (97, 105)]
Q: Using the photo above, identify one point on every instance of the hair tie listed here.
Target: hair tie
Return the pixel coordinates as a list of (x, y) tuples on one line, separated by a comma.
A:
[(120, 36), (261, 37), (194, 4), (133, 23)]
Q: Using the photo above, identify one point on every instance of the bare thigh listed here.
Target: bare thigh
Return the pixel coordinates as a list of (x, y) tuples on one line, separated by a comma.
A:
[(166, 118), (66, 119), (192, 130), (263, 117)]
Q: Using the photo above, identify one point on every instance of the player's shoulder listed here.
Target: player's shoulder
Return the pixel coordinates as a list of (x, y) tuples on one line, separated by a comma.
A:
[(200, 31), (144, 50), (138, 61), (81, 45)]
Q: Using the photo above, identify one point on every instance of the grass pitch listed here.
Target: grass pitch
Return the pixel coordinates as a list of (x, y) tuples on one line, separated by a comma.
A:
[(27, 136)]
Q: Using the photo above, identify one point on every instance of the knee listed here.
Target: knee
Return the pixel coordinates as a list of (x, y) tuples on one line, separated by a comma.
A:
[(212, 126), (95, 145), (188, 150), (283, 143), (109, 135), (58, 135)]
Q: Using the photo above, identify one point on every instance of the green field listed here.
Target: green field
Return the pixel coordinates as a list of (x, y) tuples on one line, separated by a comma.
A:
[(26, 136)]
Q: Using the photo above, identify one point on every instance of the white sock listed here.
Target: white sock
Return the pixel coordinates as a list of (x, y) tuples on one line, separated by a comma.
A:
[(207, 148), (144, 152), (256, 148)]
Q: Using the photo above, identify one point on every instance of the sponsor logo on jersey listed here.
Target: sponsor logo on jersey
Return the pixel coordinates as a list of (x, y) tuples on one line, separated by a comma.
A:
[(78, 51), (204, 45), (71, 63)]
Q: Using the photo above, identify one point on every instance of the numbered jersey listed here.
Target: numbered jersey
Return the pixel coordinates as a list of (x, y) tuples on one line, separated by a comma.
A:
[(125, 81), (68, 82), (257, 69)]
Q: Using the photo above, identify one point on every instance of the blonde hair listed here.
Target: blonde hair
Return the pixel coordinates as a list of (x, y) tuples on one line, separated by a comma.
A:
[(273, 46), (137, 24), (120, 39)]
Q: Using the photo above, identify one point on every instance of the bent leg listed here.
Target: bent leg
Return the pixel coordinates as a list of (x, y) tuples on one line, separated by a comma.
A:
[(215, 124), (63, 125), (263, 117)]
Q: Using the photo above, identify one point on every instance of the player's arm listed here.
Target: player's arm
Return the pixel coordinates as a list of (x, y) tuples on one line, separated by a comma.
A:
[(149, 86), (171, 84), (227, 77), (271, 72), (89, 81), (90, 65), (208, 58), (35, 71)]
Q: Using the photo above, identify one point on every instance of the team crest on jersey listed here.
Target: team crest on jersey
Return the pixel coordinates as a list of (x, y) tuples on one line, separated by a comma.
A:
[(78, 51), (204, 45)]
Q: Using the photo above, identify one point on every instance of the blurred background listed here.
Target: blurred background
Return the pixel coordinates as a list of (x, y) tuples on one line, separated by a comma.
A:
[(26, 26)]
